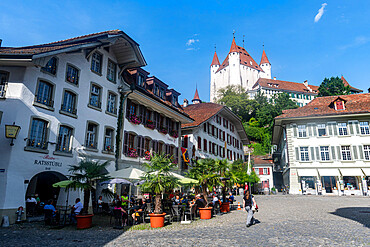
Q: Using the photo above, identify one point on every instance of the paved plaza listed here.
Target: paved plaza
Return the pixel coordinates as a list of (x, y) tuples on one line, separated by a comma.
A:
[(283, 220)]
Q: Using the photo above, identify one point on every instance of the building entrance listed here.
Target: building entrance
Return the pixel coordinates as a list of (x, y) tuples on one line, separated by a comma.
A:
[(329, 183), (42, 185)]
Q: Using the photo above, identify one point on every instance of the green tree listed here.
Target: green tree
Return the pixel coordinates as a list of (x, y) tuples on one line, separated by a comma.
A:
[(333, 86), (158, 178), (85, 175)]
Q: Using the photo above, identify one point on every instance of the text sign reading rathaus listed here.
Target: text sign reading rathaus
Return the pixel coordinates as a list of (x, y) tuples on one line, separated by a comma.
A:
[(48, 161)]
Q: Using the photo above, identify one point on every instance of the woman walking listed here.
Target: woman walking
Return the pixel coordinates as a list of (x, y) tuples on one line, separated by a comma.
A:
[(248, 201)]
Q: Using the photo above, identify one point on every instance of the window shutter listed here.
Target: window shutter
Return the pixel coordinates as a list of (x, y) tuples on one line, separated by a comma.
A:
[(357, 128), (312, 153), (154, 146), (335, 129), (330, 129), (260, 171), (296, 154), (294, 126), (125, 143), (268, 171), (142, 146), (351, 130), (205, 127), (128, 103), (355, 155), (309, 127), (314, 127), (333, 152), (361, 152), (317, 153), (138, 146), (339, 153)]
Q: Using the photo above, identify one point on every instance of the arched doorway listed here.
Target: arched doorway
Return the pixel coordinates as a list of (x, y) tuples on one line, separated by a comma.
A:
[(42, 184)]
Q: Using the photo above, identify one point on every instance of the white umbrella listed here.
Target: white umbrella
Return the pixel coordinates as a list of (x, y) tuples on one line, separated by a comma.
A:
[(128, 173), (174, 174), (116, 181)]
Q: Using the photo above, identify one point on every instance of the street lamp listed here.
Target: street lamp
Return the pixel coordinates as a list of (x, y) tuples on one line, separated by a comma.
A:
[(11, 131)]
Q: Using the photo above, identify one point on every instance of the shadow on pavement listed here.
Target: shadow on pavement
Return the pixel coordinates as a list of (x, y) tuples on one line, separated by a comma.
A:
[(359, 214)]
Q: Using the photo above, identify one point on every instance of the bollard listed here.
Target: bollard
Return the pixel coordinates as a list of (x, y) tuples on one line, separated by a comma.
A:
[(5, 222)]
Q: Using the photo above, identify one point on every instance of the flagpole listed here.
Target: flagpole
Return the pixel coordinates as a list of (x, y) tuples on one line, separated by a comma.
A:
[(249, 172)]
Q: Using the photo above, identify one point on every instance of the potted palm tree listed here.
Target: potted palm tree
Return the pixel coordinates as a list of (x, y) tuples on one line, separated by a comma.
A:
[(227, 177), (205, 171), (157, 180), (84, 176)]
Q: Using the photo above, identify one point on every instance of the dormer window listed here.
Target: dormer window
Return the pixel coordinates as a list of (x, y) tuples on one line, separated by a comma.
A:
[(141, 80), (51, 66), (174, 100), (339, 105), (156, 89)]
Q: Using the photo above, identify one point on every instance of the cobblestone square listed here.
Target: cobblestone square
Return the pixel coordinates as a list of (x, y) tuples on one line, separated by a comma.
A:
[(283, 220)]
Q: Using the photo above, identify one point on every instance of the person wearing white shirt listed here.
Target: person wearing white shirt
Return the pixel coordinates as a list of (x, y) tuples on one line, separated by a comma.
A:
[(76, 210)]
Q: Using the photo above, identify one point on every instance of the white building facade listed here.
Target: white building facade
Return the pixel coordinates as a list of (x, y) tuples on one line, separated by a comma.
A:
[(324, 147), (65, 98), (263, 167), (216, 133)]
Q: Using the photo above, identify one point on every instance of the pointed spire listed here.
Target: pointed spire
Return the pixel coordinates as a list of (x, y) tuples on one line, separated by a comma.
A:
[(215, 59), (264, 58), (345, 82), (196, 99), (234, 47)]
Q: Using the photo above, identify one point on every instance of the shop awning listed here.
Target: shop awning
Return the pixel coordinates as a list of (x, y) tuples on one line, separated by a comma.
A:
[(307, 172), (329, 172), (366, 171), (351, 172)]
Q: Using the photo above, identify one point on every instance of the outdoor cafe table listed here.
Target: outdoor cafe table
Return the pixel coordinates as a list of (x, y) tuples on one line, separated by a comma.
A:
[(64, 214)]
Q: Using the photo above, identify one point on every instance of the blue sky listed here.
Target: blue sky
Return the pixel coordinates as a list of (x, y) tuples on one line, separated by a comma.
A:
[(299, 46)]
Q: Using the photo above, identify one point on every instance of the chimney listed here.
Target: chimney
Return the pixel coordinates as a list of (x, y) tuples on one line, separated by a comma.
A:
[(1, 41), (305, 83), (274, 78), (186, 102)]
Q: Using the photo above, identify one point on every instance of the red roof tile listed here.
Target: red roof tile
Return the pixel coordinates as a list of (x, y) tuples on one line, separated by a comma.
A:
[(285, 86), (196, 95), (262, 160), (323, 106), (215, 60), (347, 84), (264, 58), (201, 112), (234, 47)]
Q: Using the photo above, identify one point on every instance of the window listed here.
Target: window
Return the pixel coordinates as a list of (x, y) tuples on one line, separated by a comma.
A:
[(64, 140), (108, 140), (339, 105), (346, 153), (156, 89), (3, 83), (302, 131), (162, 93), (364, 128), (69, 103), (147, 144), (324, 152), (95, 96), (111, 103), (205, 127), (199, 143), (174, 100), (72, 74), (342, 128), (321, 129), (38, 134), (266, 171), (205, 145), (304, 153), (141, 80), (111, 71), (51, 66), (91, 136), (367, 152), (96, 62), (44, 94)]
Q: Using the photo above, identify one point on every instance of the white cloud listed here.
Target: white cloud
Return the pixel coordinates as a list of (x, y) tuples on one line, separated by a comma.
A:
[(358, 41), (320, 12), (191, 42)]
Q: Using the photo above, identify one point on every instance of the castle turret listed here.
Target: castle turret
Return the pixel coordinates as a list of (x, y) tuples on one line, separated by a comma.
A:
[(265, 65), (214, 67), (196, 99), (234, 65)]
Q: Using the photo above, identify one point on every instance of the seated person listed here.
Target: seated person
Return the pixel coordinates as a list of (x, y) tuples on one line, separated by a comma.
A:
[(118, 206), (184, 201), (100, 204), (49, 206), (138, 209), (200, 202), (76, 210), (231, 198), (176, 201), (215, 200)]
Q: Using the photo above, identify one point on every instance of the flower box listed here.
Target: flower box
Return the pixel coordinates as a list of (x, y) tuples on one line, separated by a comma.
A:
[(163, 130), (135, 119), (174, 133), (132, 153), (147, 155)]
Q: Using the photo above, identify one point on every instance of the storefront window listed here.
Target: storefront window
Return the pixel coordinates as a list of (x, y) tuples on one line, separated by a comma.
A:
[(350, 183), (308, 182)]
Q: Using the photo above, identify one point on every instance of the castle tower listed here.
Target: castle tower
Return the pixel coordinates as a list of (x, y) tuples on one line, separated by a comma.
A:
[(196, 99), (234, 65), (214, 67), (266, 66)]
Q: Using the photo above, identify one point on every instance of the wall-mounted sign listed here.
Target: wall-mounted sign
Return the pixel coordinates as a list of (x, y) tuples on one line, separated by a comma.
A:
[(48, 161)]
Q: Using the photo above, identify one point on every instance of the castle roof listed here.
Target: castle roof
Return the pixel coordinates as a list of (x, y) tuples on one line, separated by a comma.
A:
[(264, 58), (245, 58), (215, 60), (196, 95), (287, 86), (352, 88)]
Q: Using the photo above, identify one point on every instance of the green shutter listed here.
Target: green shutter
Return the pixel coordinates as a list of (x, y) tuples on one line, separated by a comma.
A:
[(351, 131), (333, 152), (361, 152), (339, 153), (312, 153), (317, 153), (355, 155), (296, 154), (357, 126), (294, 126), (330, 129), (335, 130)]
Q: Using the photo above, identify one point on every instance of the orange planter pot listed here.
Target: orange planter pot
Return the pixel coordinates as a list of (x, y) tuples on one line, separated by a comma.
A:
[(205, 213), (84, 221), (157, 220), (225, 207)]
